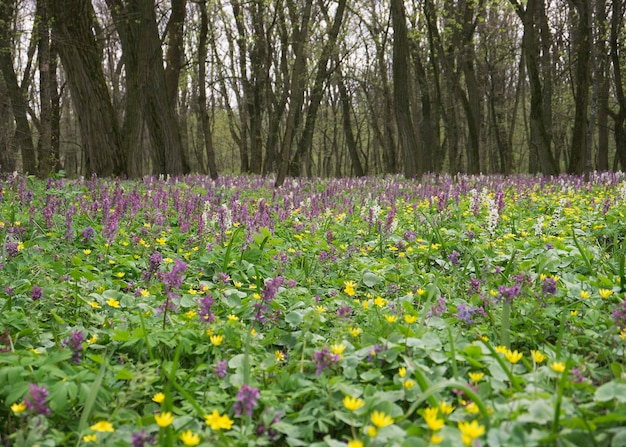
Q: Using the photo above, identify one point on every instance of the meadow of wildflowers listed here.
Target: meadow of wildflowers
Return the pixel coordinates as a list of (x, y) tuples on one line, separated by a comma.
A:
[(468, 310)]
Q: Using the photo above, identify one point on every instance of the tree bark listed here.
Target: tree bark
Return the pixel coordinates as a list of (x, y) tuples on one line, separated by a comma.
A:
[(73, 24), (174, 54), (23, 138), (204, 115), (401, 89), (580, 156)]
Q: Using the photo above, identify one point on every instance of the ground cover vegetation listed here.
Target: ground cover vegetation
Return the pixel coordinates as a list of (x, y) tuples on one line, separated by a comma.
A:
[(468, 310)]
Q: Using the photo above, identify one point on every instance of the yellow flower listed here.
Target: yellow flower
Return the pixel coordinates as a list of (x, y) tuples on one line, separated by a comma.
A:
[(355, 331), (93, 339), (280, 356), (371, 431), (410, 319), (605, 293), (501, 349), (470, 431), (87, 251), (145, 293), (445, 407), (158, 398), (320, 309), (435, 424), (94, 304), (436, 438), (558, 367), (232, 317), (120, 274), (353, 403), (476, 376), (190, 438), (538, 356), (90, 438), (256, 296), (472, 408), (408, 384), (391, 318), (102, 426), (164, 419), (380, 419), (18, 408), (113, 303), (402, 372), (338, 349), (380, 301), (216, 339), (217, 422), (349, 288), (513, 356), (584, 294), (355, 443), (190, 314)]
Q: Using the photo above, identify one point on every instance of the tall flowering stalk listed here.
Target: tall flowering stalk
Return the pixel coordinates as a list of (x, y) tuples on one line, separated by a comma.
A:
[(172, 280)]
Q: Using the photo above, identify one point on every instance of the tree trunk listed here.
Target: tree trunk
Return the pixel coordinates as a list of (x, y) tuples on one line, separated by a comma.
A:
[(346, 110), (174, 55), (296, 95), (540, 145), (204, 115), (401, 87), (580, 158), (23, 138), (619, 117), (73, 23), (136, 24)]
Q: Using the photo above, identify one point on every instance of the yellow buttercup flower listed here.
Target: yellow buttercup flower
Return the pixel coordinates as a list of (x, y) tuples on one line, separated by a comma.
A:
[(513, 356), (538, 356), (103, 426), (216, 339), (410, 319), (391, 318), (605, 293), (380, 301), (355, 443), (90, 438), (470, 431), (353, 403), (584, 294), (402, 372), (409, 383), (280, 356), (355, 331), (349, 288), (476, 376), (217, 422), (436, 438), (158, 398), (190, 438), (338, 349), (371, 431), (558, 367), (445, 407), (501, 349), (113, 303), (18, 408), (164, 419), (380, 419)]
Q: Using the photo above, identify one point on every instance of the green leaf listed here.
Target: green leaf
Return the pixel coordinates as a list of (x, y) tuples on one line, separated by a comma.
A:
[(611, 390), (371, 279)]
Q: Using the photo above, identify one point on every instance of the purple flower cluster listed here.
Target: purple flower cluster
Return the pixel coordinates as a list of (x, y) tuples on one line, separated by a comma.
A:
[(75, 343), (221, 368), (265, 426), (269, 291), (140, 439), (466, 313), (247, 398), (36, 293), (509, 293), (87, 234), (153, 265), (204, 311), (323, 359), (36, 401), (548, 286)]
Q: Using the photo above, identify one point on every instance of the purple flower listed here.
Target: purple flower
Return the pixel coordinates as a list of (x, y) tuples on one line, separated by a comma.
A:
[(36, 293), (439, 308), (454, 257), (204, 312), (465, 313), (11, 249), (221, 368), (140, 439), (36, 401), (75, 343), (548, 287), (246, 400), (619, 315), (323, 359), (508, 293), (344, 311)]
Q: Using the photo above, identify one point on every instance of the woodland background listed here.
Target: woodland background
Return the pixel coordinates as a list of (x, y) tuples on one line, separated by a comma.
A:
[(311, 87)]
